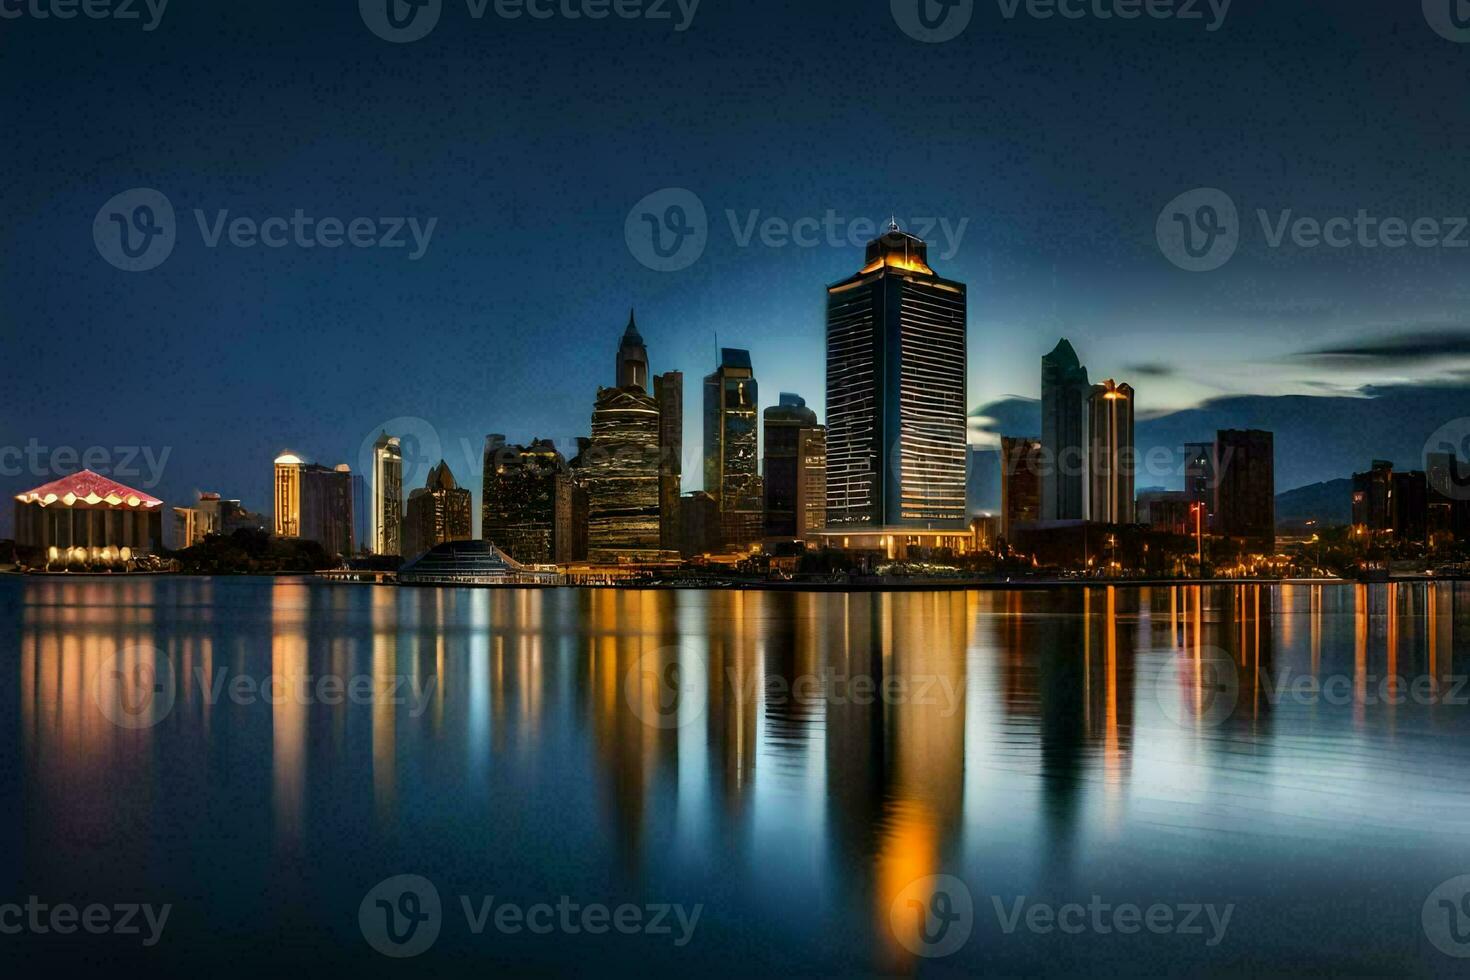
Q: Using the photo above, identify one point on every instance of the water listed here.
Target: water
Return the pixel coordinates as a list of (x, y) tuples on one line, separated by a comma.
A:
[(1232, 747)]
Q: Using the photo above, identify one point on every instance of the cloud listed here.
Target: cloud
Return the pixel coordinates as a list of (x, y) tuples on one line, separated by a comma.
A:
[(1152, 370), (1398, 349)]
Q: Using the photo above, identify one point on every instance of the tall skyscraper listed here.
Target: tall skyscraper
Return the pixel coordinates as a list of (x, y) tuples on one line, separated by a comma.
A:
[(1245, 487), (1199, 481), (314, 503), (795, 470), (519, 499), (896, 392), (620, 465), (1020, 484), (387, 513), (1110, 456), (1064, 394), (437, 512), (668, 391), (731, 446)]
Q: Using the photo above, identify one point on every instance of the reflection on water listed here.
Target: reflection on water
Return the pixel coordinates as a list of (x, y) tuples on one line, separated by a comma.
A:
[(793, 761)]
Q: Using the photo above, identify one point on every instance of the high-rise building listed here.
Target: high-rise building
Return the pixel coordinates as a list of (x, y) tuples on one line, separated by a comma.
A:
[(1373, 499), (212, 514), (1199, 481), (1449, 500), (314, 503), (896, 392), (1245, 487), (1110, 456), (795, 470), (1064, 395), (519, 496), (699, 524), (437, 512), (387, 506), (731, 447), (668, 391), (1021, 466)]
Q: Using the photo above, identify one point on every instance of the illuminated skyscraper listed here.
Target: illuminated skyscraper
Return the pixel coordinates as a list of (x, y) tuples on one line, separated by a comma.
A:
[(314, 503), (519, 500), (1110, 456), (731, 447), (795, 473), (632, 368), (1064, 395), (387, 513), (896, 392), (437, 512), (668, 391)]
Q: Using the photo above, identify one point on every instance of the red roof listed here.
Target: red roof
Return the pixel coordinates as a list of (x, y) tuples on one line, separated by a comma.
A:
[(91, 488)]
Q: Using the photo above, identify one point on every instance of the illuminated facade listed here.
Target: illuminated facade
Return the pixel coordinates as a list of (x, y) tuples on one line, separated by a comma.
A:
[(1064, 395), (212, 515), (795, 470), (387, 506), (314, 503), (86, 517), (438, 512), (528, 506), (668, 391), (896, 392), (731, 447), (1110, 455)]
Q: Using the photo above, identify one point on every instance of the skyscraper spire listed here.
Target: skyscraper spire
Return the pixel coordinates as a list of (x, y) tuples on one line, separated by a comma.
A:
[(632, 366)]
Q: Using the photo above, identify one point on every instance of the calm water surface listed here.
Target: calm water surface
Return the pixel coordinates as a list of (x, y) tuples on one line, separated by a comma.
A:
[(799, 766)]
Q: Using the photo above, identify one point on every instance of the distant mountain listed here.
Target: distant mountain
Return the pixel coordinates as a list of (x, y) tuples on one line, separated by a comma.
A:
[(1326, 503)]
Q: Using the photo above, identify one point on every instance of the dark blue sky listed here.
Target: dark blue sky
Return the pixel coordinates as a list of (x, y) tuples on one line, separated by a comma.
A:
[(1056, 142)]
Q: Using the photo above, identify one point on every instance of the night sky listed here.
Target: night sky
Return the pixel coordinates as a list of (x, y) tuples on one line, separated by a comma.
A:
[(1054, 143)]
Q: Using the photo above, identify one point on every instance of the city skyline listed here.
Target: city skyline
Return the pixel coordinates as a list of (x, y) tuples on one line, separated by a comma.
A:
[(268, 349)]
